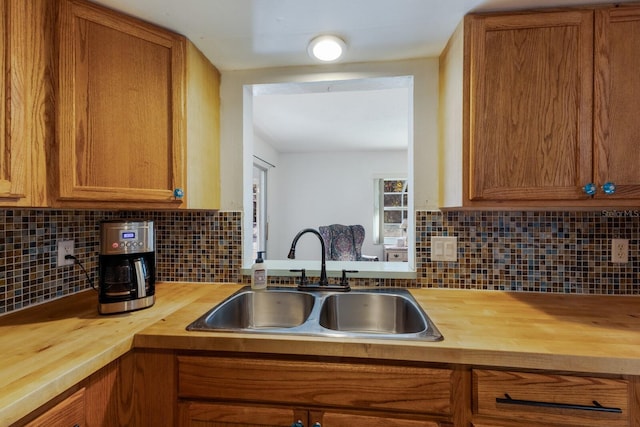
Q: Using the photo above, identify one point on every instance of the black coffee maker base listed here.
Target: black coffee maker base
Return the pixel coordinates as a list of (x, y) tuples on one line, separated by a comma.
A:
[(124, 306)]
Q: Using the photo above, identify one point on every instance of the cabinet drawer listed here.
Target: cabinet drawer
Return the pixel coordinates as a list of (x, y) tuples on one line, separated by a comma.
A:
[(396, 256), (546, 398), (312, 383)]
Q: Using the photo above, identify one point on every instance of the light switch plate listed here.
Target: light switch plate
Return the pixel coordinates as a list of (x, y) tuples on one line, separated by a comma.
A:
[(444, 248)]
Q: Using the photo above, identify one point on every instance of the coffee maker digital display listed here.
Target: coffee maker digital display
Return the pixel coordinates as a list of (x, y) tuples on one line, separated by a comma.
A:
[(127, 266)]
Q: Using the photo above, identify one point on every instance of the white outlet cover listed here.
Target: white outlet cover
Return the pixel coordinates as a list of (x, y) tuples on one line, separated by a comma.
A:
[(620, 251), (65, 247)]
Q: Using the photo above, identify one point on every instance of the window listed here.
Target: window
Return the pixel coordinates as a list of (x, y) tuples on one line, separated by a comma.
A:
[(259, 209), (391, 209)]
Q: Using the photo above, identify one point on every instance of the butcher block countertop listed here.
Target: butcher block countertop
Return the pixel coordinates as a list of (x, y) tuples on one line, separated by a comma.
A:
[(48, 348)]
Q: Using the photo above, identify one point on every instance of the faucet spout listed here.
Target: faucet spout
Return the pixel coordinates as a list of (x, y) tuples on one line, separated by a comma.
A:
[(323, 267)]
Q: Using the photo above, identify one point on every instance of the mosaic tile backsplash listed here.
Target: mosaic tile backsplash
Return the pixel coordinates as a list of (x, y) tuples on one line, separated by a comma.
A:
[(190, 246), (561, 252)]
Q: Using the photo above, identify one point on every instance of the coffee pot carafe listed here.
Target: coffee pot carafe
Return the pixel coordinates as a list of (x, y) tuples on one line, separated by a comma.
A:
[(127, 266)]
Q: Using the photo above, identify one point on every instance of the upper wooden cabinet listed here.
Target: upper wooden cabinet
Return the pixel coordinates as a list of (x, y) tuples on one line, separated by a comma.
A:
[(617, 101), (122, 113), (541, 115), (25, 36), (531, 86)]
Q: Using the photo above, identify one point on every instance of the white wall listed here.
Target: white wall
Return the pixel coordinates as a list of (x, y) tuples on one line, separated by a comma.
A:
[(328, 188), (235, 140)]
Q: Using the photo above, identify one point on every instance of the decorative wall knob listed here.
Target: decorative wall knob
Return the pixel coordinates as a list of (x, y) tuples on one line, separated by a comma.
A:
[(609, 188), (589, 189), (178, 193)]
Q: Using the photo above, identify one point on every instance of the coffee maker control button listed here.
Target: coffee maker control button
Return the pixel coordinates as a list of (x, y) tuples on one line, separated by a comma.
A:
[(115, 245)]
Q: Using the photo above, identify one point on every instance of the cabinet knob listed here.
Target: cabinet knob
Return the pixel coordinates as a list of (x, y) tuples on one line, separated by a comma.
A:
[(297, 424), (178, 193), (609, 188), (589, 189)]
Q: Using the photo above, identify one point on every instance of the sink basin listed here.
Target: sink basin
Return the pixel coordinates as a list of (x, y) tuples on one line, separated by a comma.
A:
[(375, 313), (364, 313), (258, 310)]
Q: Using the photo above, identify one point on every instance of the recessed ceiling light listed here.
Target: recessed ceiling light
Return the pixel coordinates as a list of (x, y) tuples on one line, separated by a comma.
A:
[(326, 48)]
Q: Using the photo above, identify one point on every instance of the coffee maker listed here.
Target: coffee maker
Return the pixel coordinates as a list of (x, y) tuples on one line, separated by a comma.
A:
[(127, 264)]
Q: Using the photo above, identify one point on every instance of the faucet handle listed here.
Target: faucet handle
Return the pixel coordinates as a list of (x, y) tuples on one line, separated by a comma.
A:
[(343, 280), (303, 277)]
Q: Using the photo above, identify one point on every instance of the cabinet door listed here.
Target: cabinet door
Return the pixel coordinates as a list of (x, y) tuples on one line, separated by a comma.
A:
[(617, 101), (196, 414), (530, 106), (121, 108), (25, 31), (12, 162), (337, 419), (69, 412)]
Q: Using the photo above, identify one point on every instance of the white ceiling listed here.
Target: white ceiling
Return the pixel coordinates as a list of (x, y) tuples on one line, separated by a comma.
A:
[(250, 34), (353, 115), (253, 34)]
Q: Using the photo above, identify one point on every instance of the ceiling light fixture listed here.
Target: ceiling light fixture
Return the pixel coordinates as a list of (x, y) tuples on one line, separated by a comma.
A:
[(326, 48)]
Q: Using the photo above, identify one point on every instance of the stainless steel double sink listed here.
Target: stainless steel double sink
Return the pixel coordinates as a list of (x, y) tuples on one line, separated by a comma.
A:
[(381, 313)]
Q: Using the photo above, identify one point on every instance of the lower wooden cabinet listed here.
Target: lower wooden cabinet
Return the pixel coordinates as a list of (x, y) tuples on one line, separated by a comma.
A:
[(68, 413), (266, 392), (199, 414), (512, 398), (343, 419), (204, 389)]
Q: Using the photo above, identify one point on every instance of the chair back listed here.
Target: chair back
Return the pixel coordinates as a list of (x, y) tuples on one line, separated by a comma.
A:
[(342, 242)]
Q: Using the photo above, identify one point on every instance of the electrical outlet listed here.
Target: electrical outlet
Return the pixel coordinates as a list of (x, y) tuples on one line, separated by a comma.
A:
[(444, 248), (620, 251), (65, 247)]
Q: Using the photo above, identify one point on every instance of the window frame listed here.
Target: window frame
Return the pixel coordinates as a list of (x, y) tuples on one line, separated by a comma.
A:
[(380, 208)]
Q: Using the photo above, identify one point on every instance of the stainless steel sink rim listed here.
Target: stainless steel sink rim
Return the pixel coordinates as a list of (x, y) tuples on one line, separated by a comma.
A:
[(312, 325)]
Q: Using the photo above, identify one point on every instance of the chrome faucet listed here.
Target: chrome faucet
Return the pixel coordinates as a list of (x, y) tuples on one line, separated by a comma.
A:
[(324, 283)]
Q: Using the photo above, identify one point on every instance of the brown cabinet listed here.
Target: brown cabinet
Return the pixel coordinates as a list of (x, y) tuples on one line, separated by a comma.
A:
[(508, 397), (123, 112), (160, 387), (546, 99), (531, 81), (70, 412), (343, 419), (194, 414), (616, 101), (251, 391), (25, 32)]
